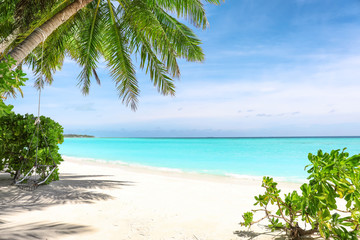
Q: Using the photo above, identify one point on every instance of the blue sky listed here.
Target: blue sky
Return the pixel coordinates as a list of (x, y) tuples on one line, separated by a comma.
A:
[(272, 68)]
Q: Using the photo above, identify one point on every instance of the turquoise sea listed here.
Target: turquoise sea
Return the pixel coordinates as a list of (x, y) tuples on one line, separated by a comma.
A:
[(284, 158)]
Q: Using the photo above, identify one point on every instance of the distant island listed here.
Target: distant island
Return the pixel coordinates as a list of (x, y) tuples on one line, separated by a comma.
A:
[(77, 136)]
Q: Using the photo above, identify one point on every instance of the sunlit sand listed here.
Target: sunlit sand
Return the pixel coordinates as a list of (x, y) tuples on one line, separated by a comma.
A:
[(109, 201)]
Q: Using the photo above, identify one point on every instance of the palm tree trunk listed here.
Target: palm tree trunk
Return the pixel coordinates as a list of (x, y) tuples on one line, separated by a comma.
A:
[(36, 37)]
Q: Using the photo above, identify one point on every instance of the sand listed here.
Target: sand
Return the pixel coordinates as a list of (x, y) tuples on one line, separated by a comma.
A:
[(96, 200)]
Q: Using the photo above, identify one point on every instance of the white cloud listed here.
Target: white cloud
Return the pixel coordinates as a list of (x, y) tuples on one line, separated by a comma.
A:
[(322, 94), (261, 74)]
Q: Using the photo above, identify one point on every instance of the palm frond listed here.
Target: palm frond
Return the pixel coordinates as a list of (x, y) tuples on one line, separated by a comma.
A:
[(144, 27), (142, 45), (216, 2), (7, 19), (45, 65), (118, 58), (193, 10), (96, 76), (89, 43), (141, 20), (182, 37), (156, 69)]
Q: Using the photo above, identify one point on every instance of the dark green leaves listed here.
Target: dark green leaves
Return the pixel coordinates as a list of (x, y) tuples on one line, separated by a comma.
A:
[(18, 143)]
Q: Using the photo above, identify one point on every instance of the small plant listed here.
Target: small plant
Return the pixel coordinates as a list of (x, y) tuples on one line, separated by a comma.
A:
[(333, 178)]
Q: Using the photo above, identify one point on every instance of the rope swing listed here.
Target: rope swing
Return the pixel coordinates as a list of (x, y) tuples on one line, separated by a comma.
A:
[(39, 173)]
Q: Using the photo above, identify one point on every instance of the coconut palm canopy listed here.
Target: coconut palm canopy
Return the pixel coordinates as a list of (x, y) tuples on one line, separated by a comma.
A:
[(89, 30)]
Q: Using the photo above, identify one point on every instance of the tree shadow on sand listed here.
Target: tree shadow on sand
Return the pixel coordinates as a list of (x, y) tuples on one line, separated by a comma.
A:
[(69, 189), (39, 230), (76, 189), (253, 235), (277, 235)]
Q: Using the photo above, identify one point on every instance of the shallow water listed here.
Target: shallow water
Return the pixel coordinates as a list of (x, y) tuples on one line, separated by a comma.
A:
[(278, 157)]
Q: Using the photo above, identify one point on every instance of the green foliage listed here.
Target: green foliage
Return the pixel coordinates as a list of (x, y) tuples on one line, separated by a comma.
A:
[(10, 80), (333, 178), (275, 224), (7, 19), (18, 143), (116, 31), (248, 217)]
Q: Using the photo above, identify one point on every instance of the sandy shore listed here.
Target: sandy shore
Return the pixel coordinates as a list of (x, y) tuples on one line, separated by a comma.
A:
[(109, 201)]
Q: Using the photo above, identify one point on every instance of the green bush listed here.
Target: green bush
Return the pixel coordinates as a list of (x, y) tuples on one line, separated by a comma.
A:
[(17, 155), (333, 178), (10, 81)]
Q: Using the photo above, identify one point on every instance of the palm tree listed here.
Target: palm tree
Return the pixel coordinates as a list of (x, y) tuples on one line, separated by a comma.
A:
[(89, 30)]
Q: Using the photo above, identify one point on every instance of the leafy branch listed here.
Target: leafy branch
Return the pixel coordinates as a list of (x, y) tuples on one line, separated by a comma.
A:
[(10, 82), (333, 177)]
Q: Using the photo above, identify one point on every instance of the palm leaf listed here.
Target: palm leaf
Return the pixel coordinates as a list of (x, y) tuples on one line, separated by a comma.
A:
[(182, 37), (193, 10), (118, 58), (89, 43), (44, 65), (139, 42), (156, 69), (140, 18), (7, 19)]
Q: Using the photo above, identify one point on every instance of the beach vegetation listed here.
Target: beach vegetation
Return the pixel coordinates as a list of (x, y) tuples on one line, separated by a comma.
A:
[(20, 145), (327, 205), (10, 83), (93, 31)]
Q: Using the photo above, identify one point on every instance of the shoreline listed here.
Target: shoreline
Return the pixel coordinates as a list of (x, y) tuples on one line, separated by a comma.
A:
[(283, 160), (94, 200), (159, 172), (179, 172)]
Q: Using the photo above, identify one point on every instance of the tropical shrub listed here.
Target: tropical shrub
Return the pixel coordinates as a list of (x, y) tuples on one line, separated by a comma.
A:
[(334, 183), (18, 140), (10, 80)]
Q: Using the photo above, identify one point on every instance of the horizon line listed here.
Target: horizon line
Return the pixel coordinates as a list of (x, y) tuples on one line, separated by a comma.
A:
[(223, 137)]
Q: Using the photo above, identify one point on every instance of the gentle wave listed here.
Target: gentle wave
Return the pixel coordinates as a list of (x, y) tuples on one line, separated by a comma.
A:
[(282, 158), (173, 170)]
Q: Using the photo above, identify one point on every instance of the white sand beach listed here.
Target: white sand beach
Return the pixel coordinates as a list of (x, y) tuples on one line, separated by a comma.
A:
[(96, 200)]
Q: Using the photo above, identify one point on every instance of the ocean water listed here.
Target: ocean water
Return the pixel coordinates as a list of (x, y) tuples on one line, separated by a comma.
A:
[(283, 158)]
